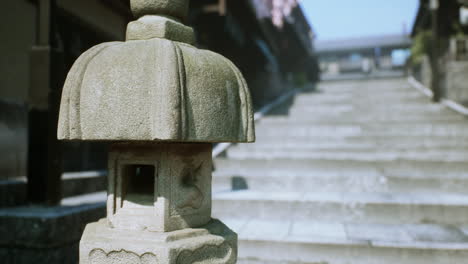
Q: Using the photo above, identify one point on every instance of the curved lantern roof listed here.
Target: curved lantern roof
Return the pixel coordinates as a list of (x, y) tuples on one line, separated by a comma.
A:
[(155, 87)]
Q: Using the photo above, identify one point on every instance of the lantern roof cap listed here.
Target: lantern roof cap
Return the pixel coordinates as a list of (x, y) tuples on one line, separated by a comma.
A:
[(155, 86), (174, 8)]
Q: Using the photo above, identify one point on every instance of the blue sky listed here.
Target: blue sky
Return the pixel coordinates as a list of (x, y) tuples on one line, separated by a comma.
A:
[(334, 19)]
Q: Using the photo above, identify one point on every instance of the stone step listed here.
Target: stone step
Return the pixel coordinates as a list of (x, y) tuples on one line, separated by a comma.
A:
[(341, 180), (355, 142), (332, 131), (344, 96), (358, 105), (330, 174), (353, 155), (359, 114), (284, 121), (377, 108), (305, 118), (78, 183), (347, 144), (321, 98), (359, 172), (416, 168), (48, 234), (313, 205), (370, 90), (290, 241), (98, 198), (410, 126), (355, 97)]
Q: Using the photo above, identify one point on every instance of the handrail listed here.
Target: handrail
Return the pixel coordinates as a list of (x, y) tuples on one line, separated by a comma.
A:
[(452, 105)]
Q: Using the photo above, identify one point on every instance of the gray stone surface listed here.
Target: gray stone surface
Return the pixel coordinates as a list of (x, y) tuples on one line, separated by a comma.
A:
[(149, 27), (355, 243), (181, 193), (368, 207), (457, 81), (152, 93), (175, 8), (213, 243), (359, 172), (44, 227), (45, 234), (162, 89)]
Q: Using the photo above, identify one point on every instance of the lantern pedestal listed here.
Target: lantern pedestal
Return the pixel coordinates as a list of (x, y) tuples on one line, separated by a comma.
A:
[(212, 243), (159, 186), (159, 209)]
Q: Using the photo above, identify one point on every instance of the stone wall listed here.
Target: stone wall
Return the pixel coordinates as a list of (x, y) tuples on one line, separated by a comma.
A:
[(457, 81)]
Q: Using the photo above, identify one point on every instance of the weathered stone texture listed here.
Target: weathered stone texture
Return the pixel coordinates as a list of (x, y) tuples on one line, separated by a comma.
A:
[(174, 8), (149, 27), (155, 86), (426, 72), (162, 102), (212, 243), (388, 172), (180, 197), (161, 90), (457, 81)]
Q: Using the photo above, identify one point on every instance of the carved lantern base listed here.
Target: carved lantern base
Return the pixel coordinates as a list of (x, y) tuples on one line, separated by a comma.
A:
[(160, 187), (213, 243), (159, 209)]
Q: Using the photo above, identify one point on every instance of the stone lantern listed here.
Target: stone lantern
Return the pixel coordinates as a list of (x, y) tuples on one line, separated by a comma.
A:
[(161, 103)]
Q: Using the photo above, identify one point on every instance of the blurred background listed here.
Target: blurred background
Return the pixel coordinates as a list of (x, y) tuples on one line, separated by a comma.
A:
[(362, 144)]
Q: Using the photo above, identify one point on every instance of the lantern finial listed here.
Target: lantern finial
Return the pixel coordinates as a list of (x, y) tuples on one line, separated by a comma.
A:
[(173, 8)]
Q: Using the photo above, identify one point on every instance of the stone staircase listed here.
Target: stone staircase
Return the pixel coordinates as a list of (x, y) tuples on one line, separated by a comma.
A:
[(365, 172), (359, 172)]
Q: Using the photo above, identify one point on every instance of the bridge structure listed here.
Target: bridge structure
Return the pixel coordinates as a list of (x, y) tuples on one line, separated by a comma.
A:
[(362, 54)]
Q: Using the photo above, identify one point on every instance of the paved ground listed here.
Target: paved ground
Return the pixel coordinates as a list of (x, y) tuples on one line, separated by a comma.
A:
[(364, 172)]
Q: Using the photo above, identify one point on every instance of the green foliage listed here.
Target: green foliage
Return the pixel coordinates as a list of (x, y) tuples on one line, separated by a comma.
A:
[(458, 30), (421, 46), (300, 78)]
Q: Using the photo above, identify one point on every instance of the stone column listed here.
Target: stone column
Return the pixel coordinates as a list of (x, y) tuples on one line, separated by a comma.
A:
[(162, 103)]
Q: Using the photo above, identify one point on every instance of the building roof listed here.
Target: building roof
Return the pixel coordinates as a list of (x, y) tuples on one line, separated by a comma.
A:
[(383, 41)]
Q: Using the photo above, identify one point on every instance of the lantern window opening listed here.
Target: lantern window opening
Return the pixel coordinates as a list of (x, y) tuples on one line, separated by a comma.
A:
[(140, 184)]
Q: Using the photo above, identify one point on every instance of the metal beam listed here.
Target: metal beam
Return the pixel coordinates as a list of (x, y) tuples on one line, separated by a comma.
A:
[(44, 155), (220, 8)]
